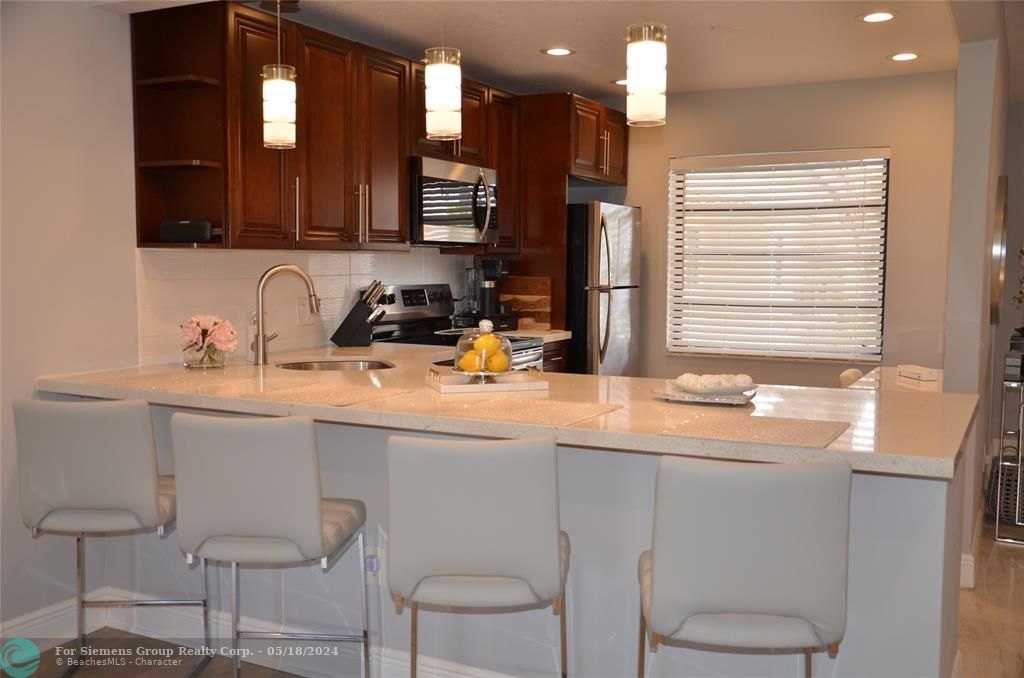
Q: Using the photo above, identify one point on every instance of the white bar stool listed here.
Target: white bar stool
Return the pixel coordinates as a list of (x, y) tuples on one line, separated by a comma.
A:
[(249, 494), (474, 525), (747, 556), (89, 468)]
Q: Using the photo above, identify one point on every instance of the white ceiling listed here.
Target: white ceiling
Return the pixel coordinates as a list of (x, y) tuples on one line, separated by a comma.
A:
[(712, 45)]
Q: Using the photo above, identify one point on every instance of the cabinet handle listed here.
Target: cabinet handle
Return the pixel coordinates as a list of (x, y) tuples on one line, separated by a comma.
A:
[(607, 150), (366, 213), (298, 198), (362, 215)]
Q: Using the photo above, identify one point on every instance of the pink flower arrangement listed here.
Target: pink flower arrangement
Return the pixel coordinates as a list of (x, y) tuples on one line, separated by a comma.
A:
[(203, 337)]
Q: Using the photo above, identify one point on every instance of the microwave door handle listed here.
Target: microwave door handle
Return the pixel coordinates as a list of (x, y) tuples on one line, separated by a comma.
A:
[(487, 200)]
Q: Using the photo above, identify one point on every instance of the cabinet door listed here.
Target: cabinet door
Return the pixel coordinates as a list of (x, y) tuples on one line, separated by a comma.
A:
[(472, 148), (323, 178), (504, 133), (556, 356), (616, 146), (256, 175), (383, 93), (421, 145), (585, 130)]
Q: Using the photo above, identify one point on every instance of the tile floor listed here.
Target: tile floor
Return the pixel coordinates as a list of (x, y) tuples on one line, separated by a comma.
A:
[(992, 614)]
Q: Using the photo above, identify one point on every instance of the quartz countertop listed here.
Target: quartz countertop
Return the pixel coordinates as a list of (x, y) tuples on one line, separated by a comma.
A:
[(892, 432), (548, 336)]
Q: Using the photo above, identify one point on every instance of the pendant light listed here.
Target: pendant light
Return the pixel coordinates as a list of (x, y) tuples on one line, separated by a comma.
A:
[(279, 96), (646, 74), (443, 79)]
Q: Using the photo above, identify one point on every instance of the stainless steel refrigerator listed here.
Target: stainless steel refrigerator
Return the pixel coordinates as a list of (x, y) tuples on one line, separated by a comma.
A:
[(603, 293)]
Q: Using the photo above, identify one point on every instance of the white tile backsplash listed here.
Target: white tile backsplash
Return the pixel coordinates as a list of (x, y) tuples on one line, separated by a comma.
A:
[(175, 284)]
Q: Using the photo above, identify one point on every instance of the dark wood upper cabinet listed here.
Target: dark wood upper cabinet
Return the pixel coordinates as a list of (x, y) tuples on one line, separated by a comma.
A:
[(504, 139), (383, 166), (600, 141), (323, 178), (616, 146), (257, 181), (587, 145), (474, 146)]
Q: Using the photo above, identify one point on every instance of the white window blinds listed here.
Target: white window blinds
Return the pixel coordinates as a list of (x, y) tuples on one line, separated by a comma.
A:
[(778, 256)]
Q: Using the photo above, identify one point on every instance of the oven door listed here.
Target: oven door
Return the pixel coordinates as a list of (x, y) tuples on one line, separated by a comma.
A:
[(454, 204)]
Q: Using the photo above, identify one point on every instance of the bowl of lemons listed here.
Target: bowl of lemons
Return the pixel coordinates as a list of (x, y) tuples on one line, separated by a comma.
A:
[(482, 353)]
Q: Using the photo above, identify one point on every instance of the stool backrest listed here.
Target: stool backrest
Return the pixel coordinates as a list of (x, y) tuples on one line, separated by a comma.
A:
[(750, 539), (86, 456), (255, 478), (473, 508)]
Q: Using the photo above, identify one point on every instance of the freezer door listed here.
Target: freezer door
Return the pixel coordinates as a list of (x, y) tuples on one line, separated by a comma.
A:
[(614, 245), (613, 342)]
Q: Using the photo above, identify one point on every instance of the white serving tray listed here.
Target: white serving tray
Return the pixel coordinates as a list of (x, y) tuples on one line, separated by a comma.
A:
[(679, 396), (462, 382), (713, 391)]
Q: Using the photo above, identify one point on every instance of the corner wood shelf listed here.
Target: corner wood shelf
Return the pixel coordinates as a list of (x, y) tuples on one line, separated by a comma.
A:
[(209, 164), (172, 82), (215, 244)]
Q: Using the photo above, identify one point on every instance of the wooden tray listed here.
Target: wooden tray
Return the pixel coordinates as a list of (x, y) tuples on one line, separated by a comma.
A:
[(456, 382)]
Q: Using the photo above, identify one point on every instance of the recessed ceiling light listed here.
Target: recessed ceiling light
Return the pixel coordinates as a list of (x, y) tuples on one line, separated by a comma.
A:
[(558, 51), (903, 56), (619, 82), (878, 17)]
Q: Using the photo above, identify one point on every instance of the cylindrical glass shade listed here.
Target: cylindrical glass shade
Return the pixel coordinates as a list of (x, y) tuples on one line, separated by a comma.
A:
[(646, 74), (443, 80), (279, 94)]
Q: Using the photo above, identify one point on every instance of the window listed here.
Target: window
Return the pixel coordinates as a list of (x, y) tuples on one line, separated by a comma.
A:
[(778, 255)]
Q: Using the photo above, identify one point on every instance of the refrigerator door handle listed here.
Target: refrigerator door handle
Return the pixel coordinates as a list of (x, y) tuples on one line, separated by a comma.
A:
[(607, 329), (607, 250)]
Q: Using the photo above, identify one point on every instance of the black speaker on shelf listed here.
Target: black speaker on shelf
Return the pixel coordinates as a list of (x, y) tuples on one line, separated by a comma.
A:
[(187, 230)]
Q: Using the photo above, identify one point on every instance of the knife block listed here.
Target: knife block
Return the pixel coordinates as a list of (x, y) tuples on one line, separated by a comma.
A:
[(354, 330)]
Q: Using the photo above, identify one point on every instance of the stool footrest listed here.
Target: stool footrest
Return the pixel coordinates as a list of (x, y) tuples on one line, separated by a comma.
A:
[(260, 635), (142, 603)]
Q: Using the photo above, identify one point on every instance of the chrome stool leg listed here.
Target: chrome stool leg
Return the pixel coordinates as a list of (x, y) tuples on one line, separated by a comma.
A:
[(366, 616), (207, 643), (236, 661), (79, 606)]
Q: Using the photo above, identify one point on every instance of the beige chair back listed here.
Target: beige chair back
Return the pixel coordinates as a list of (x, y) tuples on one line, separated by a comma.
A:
[(473, 509), (86, 456), (733, 538), (247, 479)]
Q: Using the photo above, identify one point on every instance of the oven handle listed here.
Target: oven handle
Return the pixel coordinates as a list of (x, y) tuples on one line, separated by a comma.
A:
[(522, 358), (487, 199)]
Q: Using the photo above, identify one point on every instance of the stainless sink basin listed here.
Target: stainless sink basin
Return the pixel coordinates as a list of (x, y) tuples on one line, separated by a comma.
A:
[(334, 365)]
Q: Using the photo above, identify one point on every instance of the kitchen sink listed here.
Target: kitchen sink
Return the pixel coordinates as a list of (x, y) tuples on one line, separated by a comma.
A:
[(335, 365)]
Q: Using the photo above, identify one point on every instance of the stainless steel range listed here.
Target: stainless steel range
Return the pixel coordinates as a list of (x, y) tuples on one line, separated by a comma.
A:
[(422, 314)]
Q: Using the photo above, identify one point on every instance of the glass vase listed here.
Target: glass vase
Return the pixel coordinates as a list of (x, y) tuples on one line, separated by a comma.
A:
[(203, 358)]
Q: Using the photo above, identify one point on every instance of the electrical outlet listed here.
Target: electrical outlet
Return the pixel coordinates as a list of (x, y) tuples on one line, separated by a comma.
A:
[(374, 563), (302, 314)]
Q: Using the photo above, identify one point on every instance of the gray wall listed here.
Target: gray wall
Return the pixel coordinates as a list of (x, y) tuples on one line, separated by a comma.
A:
[(913, 115), (68, 239)]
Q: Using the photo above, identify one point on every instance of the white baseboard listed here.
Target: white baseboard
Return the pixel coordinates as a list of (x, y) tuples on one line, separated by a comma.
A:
[(184, 624), (967, 570)]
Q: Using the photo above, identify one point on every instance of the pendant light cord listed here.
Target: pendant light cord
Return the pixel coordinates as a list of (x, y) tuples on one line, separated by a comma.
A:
[(278, 31)]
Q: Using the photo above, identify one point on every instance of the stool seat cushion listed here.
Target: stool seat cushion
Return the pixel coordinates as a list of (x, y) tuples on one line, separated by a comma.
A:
[(731, 629), (340, 519), (110, 519), (485, 592)]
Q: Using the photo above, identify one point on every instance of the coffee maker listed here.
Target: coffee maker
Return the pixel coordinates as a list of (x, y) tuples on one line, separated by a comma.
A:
[(482, 299)]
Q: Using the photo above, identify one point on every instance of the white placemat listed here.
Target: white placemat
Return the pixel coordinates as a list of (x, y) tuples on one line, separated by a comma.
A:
[(539, 411), (337, 395), (769, 430)]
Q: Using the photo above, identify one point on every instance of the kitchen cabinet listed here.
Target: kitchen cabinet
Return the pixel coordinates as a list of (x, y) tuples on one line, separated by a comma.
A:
[(473, 148), (199, 133), (322, 169), (257, 176), (599, 141), (382, 159), (504, 134), (556, 356)]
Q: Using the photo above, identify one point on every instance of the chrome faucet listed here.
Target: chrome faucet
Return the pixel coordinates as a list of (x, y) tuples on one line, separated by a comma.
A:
[(259, 346)]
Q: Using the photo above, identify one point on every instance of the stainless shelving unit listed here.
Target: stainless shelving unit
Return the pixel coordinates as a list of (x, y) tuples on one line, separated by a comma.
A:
[(1009, 510)]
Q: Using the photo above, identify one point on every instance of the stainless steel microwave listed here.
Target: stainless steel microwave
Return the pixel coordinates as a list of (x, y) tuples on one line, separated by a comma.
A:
[(453, 204)]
